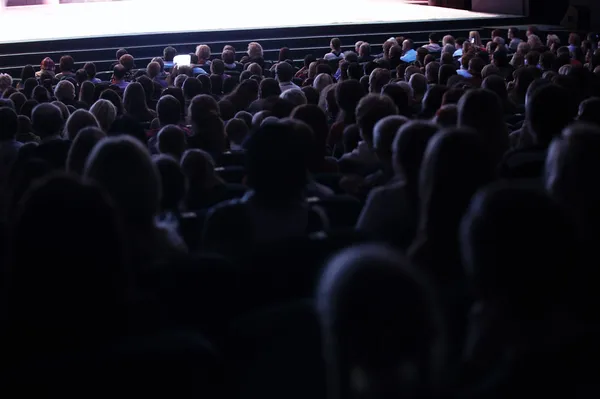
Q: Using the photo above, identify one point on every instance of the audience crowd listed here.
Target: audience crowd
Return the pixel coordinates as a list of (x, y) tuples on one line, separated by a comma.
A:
[(417, 223)]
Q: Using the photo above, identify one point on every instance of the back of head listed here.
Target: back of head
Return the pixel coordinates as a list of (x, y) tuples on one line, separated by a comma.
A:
[(172, 141), (202, 105), (18, 99), (312, 95), (191, 88), (284, 71), (547, 112), (384, 134), (445, 72), (237, 130), (47, 301), (168, 110), (400, 97), (432, 71), (347, 94), (114, 98), (514, 242), (447, 116), (172, 182), (496, 84), (198, 166), (127, 61), (482, 110), (589, 111), (433, 100), (418, 82), (370, 110), (378, 79), (322, 80), (82, 146), (269, 87), (134, 99), (408, 149), (9, 124), (105, 113), (272, 171), (294, 96), (379, 316), (454, 167), (117, 162), (77, 121), (47, 120)]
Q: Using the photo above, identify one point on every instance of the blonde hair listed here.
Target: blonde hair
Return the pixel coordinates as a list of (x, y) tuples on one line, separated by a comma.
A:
[(475, 35), (322, 81), (203, 52), (255, 50), (5, 81), (105, 112)]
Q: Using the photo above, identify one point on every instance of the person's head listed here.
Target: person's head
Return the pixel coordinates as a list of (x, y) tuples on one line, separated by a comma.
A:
[(347, 95), (295, 96), (191, 88), (490, 70), (255, 50), (87, 90), (482, 111), (41, 95), (496, 84), (114, 98), (47, 65), (64, 91), (312, 95), (445, 72), (269, 87), (409, 71), (254, 69), (364, 50), (574, 39), (476, 66), (82, 146), (168, 110), (27, 72), (173, 182), (66, 63), (180, 80), (418, 82), (408, 149), (171, 141), (272, 174), (115, 163), (5, 82), (496, 240), (203, 53), (401, 96), (500, 59), (434, 38), (78, 120), (407, 45), (335, 44), (378, 79), (9, 124), (228, 57), (379, 316), (198, 167), (47, 121), (547, 112), (127, 62), (169, 53), (432, 71), (134, 99), (448, 39), (532, 58), (119, 72), (285, 72), (447, 116), (120, 53), (513, 33), (370, 110), (475, 38), (589, 111), (384, 134), (217, 67), (236, 130), (18, 99), (153, 69), (322, 80)]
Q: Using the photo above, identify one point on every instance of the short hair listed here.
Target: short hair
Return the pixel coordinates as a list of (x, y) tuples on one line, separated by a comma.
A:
[(171, 140), (547, 112), (294, 96), (236, 130), (5, 81), (378, 79), (418, 82), (64, 90), (47, 120), (284, 71), (78, 120), (168, 110), (66, 63), (82, 146), (228, 56), (169, 53), (121, 52), (191, 88), (370, 110), (90, 69), (217, 67), (365, 49), (127, 61), (105, 113), (434, 37), (255, 69), (119, 72), (203, 52), (117, 161), (449, 39), (9, 124), (153, 69), (336, 43), (255, 50)]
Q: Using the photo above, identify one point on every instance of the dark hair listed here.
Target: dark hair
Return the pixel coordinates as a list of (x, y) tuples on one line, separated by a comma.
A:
[(285, 72), (26, 73), (169, 53), (9, 123), (191, 88), (309, 59), (434, 37), (114, 98), (217, 67), (66, 63), (168, 110), (178, 94), (336, 43), (121, 52), (548, 112), (284, 54), (90, 69), (347, 95), (216, 83), (173, 183), (47, 120), (119, 71), (269, 87)]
